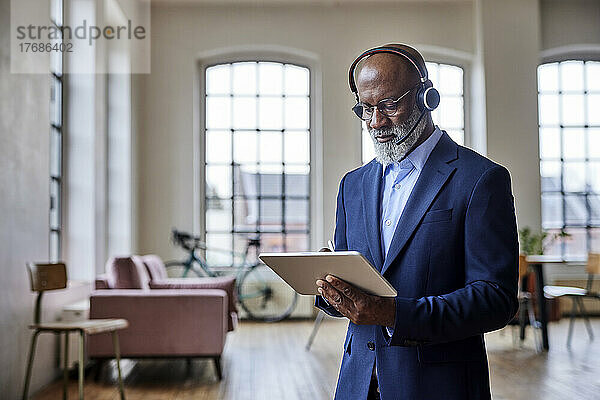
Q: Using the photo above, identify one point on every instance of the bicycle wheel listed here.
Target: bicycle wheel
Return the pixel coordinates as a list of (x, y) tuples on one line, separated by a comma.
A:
[(180, 269), (264, 295)]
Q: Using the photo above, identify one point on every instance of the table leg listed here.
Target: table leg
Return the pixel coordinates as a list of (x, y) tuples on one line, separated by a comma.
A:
[(541, 301)]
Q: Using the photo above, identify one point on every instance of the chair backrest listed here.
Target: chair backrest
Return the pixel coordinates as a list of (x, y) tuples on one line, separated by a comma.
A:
[(593, 264), (593, 268), (522, 266), (45, 277)]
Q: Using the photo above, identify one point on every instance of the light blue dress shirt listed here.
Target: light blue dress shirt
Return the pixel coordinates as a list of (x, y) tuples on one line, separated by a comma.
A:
[(399, 179)]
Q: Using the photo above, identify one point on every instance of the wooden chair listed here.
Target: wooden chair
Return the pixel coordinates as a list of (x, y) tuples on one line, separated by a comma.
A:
[(44, 277), (526, 304), (577, 294)]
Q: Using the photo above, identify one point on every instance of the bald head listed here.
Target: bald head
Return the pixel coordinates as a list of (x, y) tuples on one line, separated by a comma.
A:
[(389, 70)]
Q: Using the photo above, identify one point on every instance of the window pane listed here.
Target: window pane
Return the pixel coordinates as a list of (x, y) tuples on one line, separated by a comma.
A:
[(54, 204), (433, 71), (54, 246), (572, 109), (218, 244), (271, 183), (571, 76), (450, 80), (594, 176), (270, 113), (593, 109), (573, 143), (575, 210), (593, 75), (297, 183), (297, 147), (594, 202), (271, 147), (244, 78), (245, 147), (552, 215), (296, 214), (548, 77), (548, 109), (552, 247), (550, 171), (218, 112), (296, 80), (595, 240), (270, 78), (56, 102), (270, 215), (451, 112), (55, 152), (218, 216), (296, 113), (593, 142), (244, 112), (218, 79), (246, 180), (246, 214), (575, 246), (272, 243), (296, 242), (218, 181), (218, 147), (574, 178), (549, 143)]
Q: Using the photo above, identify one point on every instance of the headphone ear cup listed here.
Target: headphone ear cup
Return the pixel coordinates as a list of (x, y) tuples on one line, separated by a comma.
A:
[(428, 98)]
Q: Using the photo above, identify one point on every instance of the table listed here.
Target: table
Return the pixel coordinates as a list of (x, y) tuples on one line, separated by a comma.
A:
[(536, 262)]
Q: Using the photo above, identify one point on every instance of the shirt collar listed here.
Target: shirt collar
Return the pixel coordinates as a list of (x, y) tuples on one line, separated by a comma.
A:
[(421, 153)]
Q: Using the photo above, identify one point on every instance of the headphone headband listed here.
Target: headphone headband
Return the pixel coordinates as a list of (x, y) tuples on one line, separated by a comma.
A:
[(391, 50), (427, 98)]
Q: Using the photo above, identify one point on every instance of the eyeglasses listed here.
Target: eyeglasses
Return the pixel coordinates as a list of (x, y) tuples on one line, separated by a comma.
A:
[(388, 107)]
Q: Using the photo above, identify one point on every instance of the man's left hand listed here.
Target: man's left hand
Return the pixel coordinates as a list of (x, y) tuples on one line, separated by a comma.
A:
[(360, 307)]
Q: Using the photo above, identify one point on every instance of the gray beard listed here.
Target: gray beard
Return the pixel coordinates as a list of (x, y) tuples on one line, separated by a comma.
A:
[(390, 152)]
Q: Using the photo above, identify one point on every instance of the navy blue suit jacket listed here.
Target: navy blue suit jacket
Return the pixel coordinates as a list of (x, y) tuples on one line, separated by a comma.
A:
[(454, 262)]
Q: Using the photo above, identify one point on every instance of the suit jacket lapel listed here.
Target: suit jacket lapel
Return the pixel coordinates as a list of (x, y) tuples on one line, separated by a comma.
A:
[(371, 182), (435, 173)]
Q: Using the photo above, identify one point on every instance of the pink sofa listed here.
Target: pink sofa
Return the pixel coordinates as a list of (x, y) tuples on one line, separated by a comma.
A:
[(167, 317)]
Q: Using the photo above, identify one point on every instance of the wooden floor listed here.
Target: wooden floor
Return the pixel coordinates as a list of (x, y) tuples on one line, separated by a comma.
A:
[(268, 361)]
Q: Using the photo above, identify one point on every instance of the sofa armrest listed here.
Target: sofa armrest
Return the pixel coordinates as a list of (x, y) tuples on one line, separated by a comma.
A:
[(181, 322), (103, 282)]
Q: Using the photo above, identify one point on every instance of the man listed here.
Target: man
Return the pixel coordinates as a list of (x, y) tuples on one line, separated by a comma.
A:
[(437, 220)]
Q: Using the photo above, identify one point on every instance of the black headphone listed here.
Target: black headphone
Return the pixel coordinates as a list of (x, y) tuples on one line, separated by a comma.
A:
[(428, 98)]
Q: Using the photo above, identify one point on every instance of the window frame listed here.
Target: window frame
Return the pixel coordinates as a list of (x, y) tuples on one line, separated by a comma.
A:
[(559, 56), (56, 151), (314, 161)]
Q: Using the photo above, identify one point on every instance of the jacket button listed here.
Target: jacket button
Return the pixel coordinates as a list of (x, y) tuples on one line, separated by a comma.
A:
[(371, 346)]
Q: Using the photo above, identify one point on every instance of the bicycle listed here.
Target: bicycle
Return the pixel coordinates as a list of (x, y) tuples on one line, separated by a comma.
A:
[(260, 292)]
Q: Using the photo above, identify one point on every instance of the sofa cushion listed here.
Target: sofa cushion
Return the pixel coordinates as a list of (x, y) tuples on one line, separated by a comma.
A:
[(226, 283), (128, 273), (155, 267)]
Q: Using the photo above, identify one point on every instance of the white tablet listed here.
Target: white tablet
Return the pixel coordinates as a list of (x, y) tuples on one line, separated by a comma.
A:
[(301, 270)]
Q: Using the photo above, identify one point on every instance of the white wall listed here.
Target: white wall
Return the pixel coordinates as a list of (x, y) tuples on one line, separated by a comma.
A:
[(568, 23), (334, 35), (24, 226)]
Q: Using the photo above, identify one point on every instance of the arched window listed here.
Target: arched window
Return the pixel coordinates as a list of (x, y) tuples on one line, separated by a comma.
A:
[(569, 129), (257, 153), (450, 115)]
